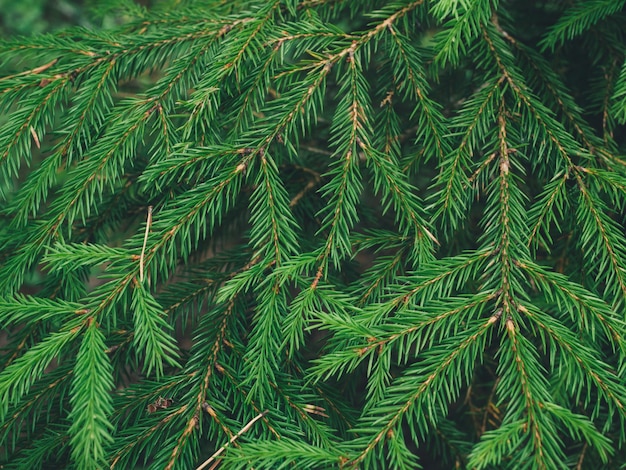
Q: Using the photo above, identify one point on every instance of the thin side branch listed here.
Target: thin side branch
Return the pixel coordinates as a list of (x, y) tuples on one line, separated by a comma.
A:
[(145, 241)]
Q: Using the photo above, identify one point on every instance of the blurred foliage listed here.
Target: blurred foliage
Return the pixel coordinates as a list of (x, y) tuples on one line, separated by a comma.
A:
[(39, 16), (28, 17)]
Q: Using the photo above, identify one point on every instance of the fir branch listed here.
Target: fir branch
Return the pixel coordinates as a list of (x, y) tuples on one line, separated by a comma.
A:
[(618, 99), (151, 337), (459, 31), (547, 210), (273, 225), (420, 388), (36, 408), (389, 181), (552, 130), (91, 104), (17, 378), (285, 452), (72, 256), (52, 444), (452, 200), (351, 131), (590, 309), (20, 310), (595, 223), (36, 113), (523, 374), (91, 401), (545, 77), (263, 358), (589, 366), (579, 18), (410, 75), (410, 332), (376, 279)]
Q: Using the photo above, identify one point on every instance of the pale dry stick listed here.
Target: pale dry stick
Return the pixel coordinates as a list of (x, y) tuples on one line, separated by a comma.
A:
[(36, 70), (232, 439), (35, 137), (145, 242)]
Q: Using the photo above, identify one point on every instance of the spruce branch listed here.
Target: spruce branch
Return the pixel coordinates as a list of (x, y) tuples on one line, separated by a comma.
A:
[(91, 401), (431, 383), (19, 376), (577, 19)]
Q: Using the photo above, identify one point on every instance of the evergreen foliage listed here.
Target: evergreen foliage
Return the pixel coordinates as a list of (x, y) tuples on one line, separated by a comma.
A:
[(316, 234)]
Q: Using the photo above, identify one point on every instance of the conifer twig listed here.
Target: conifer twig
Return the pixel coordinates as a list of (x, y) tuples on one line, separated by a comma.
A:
[(232, 439)]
